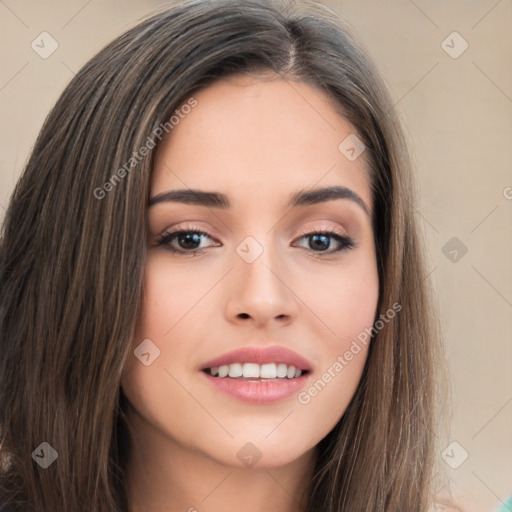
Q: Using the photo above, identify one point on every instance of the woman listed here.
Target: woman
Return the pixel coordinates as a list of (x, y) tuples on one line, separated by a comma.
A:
[(213, 290)]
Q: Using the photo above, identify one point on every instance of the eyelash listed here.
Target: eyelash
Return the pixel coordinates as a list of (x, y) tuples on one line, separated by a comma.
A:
[(346, 242)]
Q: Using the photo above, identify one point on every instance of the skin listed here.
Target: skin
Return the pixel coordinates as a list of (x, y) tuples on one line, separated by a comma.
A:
[(257, 141)]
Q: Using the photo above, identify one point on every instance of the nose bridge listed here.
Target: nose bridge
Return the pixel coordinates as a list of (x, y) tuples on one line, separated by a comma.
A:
[(259, 261), (260, 278)]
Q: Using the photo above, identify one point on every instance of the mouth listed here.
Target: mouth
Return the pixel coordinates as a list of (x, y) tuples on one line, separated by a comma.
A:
[(258, 375), (256, 372)]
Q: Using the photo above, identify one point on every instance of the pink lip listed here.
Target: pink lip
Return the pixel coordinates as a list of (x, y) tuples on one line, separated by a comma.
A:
[(261, 355), (258, 392)]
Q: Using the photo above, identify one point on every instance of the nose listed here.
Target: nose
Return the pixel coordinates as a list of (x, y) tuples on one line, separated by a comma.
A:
[(261, 291)]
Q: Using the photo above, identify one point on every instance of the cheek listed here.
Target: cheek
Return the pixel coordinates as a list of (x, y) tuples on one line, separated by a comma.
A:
[(169, 292), (345, 302), (158, 331), (342, 298), (349, 316), (323, 402), (156, 390)]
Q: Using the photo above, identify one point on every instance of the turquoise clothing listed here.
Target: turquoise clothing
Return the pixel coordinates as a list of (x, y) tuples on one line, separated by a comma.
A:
[(507, 507)]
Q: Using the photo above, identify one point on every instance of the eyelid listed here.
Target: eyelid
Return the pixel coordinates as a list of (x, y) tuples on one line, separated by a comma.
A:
[(340, 237), (302, 233), (174, 231), (346, 242), (323, 229)]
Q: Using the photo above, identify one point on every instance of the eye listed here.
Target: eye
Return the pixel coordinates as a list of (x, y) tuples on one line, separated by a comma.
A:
[(320, 240), (184, 240), (188, 240)]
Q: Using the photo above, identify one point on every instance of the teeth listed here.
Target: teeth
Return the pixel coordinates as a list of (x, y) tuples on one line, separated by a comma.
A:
[(223, 371), (251, 370), (282, 370), (256, 371), (268, 371), (235, 370)]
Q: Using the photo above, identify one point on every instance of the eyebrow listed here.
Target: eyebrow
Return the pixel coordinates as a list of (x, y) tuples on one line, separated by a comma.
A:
[(219, 200)]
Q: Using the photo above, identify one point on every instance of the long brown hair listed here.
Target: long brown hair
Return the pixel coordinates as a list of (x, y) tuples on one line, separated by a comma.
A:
[(73, 252)]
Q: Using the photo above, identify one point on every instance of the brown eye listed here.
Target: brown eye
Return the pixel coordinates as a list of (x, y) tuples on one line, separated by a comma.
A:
[(183, 241)]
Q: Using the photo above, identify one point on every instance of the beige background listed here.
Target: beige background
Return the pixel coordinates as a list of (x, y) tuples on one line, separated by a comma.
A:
[(458, 112)]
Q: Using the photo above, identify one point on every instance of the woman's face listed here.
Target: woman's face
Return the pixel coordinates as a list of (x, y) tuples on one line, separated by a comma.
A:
[(279, 270)]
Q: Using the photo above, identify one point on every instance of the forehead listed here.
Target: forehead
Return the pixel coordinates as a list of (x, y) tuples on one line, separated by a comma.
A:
[(266, 134)]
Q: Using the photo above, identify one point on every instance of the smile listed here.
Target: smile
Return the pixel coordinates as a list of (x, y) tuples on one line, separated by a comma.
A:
[(258, 375), (270, 371)]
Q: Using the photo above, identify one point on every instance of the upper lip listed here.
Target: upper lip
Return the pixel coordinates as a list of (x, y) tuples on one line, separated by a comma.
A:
[(260, 355)]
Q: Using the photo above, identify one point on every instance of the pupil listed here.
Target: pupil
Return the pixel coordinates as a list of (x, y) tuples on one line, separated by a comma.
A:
[(324, 244), (189, 238)]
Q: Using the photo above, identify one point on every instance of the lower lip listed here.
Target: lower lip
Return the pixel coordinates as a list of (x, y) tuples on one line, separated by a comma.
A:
[(257, 392)]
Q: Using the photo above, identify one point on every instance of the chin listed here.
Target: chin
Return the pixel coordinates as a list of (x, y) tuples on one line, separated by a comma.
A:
[(256, 452)]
